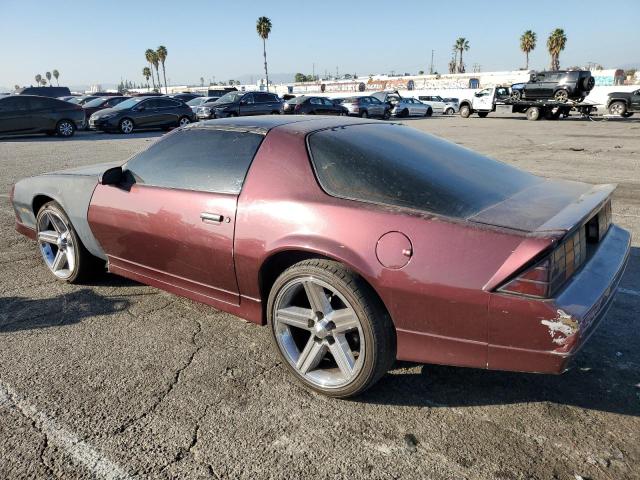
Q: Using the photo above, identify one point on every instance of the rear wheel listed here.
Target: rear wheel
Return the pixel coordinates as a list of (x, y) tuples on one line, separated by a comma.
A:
[(65, 128), (330, 328), (386, 115), (449, 111), (516, 95), (364, 114), (465, 111), (61, 249), (184, 121), (618, 108), (561, 96), (126, 126), (533, 113)]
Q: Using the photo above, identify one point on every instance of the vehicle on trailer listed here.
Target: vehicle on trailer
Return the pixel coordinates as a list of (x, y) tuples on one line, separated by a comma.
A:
[(23, 114), (624, 104), (366, 106), (376, 242), (411, 107), (100, 103), (560, 85), (237, 104), (54, 92), (485, 101), (304, 105), (142, 112), (439, 104)]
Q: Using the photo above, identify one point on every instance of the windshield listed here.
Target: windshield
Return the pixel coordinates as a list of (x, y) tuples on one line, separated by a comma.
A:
[(230, 97), (396, 165), (96, 102), (196, 101), (132, 102), (296, 100), (75, 100)]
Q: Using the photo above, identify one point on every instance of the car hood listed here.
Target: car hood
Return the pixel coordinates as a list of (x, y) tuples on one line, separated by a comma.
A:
[(548, 206)]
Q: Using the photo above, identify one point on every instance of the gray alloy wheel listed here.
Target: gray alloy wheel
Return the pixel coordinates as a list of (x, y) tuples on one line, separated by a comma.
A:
[(329, 328), (126, 125), (561, 96), (184, 121), (65, 128), (59, 245), (449, 111), (617, 108)]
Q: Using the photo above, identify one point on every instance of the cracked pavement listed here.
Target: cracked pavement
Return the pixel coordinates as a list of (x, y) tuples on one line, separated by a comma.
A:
[(114, 379)]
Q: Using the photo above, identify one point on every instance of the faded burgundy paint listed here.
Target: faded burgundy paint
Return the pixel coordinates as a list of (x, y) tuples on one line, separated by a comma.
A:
[(156, 236)]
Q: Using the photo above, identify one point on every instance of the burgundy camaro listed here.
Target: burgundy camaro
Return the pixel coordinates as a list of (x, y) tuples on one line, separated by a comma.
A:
[(358, 242)]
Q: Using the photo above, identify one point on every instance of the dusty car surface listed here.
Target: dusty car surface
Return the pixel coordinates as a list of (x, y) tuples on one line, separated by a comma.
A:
[(376, 242)]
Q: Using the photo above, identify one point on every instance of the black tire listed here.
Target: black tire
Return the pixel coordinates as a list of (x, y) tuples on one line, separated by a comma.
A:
[(628, 114), (429, 112), (483, 114), (387, 114), (404, 113), (551, 114), (516, 95), (65, 128), (377, 327), (465, 111), (86, 265), (561, 96), (449, 111), (364, 114), (618, 107), (533, 113), (184, 121), (126, 126)]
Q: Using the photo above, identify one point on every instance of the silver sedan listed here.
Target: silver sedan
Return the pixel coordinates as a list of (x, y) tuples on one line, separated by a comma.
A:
[(410, 107)]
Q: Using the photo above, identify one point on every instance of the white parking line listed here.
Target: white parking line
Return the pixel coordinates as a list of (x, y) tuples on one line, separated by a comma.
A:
[(626, 291), (82, 452)]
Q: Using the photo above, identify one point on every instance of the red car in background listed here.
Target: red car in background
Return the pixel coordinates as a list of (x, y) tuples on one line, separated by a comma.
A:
[(358, 242)]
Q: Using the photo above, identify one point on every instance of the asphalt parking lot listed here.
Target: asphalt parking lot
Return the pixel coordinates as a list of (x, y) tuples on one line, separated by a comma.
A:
[(118, 380)]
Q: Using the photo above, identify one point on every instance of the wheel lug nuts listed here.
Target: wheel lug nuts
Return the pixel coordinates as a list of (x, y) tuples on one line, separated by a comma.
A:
[(330, 340), (310, 323), (320, 315)]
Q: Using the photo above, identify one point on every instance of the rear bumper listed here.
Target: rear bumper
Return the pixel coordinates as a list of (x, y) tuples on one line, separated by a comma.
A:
[(560, 327)]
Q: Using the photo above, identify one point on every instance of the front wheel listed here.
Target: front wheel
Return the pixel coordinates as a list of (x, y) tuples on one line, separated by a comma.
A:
[(65, 128), (465, 111), (449, 111), (61, 249), (561, 96), (364, 114), (126, 126), (330, 328), (618, 108)]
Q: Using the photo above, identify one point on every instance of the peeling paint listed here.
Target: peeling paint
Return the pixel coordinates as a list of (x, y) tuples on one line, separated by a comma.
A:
[(561, 327)]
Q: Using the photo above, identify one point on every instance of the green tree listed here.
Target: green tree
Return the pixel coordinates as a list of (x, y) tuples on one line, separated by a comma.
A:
[(555, 44), (527, 44), (146, 73), (263, 27), (151, 55), (162, 57), (38, 78), (48, 75), (56, 74), (461, 45)]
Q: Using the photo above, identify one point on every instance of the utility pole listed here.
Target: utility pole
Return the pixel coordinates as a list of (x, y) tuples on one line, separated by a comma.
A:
[(431, 67), (337, 76), (313, 71)]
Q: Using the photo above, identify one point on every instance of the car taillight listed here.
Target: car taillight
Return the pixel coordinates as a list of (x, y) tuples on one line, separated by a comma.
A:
[(297, 107), (546, 277)]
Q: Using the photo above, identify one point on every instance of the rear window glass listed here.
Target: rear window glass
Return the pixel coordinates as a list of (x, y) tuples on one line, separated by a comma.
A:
[(396, 165)]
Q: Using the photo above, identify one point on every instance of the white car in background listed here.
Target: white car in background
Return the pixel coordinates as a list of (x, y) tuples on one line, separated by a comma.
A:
[(411, 107), (198, 101), (440, 105)]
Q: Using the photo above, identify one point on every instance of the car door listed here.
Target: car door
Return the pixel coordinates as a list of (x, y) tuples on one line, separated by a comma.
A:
[(15, 116), (377, 107), (166, 112), (248, 105), (171, 223), (330, 108), (635, 101), (144, 113), (43, 114)]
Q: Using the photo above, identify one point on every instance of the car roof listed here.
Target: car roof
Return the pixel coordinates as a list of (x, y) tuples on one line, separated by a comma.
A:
[(297, 123)]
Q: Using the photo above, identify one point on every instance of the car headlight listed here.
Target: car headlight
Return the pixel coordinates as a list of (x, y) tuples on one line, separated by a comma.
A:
[(205, 110)]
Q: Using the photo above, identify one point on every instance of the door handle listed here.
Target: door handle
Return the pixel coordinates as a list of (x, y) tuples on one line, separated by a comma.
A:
[(211, 217)]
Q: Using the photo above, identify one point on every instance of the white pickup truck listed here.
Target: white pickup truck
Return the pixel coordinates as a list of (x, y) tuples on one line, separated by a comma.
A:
[(485, 101)]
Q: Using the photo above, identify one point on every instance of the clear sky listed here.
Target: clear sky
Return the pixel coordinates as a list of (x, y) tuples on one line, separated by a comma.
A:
[(103, 41)]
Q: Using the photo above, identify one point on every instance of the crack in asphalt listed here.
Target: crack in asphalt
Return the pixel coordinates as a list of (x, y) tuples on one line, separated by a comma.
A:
[(175, 380)]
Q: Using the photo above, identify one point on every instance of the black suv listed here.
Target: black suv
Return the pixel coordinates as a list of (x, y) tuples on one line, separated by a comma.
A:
[(624, 103), (20, 114), (234, 104), (561, 85)]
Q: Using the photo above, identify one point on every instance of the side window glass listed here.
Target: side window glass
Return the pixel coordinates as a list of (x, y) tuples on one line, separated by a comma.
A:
[(249, 99), (197, 159)]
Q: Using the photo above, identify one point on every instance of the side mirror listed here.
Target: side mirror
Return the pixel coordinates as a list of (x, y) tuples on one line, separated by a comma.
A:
[(243, 102), (112, 176)]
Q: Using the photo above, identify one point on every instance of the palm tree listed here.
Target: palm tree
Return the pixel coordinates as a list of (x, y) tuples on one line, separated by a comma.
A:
[(162, 56), (202, 81), (149, 55), (56, 74), (38, 79), (527, 44), (44, 81), (461, 45), (48, 75), (555, 44), (146, 73), (263, 27)]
